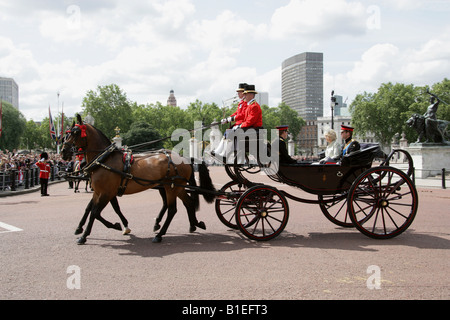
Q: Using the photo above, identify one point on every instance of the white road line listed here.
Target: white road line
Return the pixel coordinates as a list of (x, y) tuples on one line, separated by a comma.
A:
[(8, 228)]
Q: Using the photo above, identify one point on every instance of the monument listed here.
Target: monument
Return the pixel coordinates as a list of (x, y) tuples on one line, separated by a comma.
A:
[(432, 155)]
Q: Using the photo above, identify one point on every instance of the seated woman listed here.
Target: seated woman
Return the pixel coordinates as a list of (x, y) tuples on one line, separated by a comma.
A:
[(334, 149)]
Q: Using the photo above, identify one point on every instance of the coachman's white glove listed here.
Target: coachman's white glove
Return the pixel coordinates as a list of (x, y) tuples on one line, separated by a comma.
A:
[(227, 120)]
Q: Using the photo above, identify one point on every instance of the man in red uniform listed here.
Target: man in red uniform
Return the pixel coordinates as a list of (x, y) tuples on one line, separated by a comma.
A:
[(253, 113), (44, 173), (239, 115)]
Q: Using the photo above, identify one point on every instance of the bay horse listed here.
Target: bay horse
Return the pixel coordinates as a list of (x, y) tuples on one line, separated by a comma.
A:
[(162, 169)]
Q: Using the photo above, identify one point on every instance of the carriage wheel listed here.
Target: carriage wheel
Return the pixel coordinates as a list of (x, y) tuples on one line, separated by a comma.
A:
[(226, 205), (334, 208), (407, 161), (382, 202), (262, 213)]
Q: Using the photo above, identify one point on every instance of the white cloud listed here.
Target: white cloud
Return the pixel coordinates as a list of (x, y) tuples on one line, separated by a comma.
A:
[(382, 63), (318, 18)]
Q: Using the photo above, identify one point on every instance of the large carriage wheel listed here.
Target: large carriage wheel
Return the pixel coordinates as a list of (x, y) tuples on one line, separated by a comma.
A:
[(398, 154), (262, 213), (334, 208), (382, 202), (226, 204)]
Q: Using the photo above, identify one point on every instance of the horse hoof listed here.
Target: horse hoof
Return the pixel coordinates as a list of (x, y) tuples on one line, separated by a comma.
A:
[(157, 239), (156, 227), (117, 226), (126, 231), (81, 240), (192, 229), (201, 225), (79, 231)]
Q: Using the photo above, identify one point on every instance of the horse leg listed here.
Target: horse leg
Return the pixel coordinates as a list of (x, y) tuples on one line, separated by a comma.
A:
[(115, 204), (97, 206), (172, 210), (107, 224), (191, 206), (79, 229), (157, 225)]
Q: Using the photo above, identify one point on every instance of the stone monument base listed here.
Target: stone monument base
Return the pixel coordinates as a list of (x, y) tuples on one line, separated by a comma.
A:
[(429, 158)]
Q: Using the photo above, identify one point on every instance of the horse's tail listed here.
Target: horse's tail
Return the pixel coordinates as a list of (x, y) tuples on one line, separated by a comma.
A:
[(194, 195), (206, 182)]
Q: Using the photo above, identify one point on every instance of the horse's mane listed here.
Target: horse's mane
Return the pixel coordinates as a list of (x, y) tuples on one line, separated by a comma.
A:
[(102, 136)]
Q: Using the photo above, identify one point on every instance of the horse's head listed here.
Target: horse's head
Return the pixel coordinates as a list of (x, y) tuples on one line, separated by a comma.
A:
[(75, 138)]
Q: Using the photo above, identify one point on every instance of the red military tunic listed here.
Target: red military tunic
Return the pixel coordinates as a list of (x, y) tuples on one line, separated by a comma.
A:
[(44, 169), (240, 112), (253, 115)]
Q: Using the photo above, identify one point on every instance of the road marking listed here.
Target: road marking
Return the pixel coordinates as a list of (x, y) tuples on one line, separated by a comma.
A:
[(8, 228)]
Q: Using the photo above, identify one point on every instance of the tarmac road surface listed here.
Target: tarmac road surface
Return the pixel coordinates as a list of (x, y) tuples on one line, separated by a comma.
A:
[(312, 259)]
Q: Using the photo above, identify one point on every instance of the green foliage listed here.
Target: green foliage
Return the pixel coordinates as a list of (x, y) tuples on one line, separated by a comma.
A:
[(385, 112), (110, 108), (142, 132), (13, 126)]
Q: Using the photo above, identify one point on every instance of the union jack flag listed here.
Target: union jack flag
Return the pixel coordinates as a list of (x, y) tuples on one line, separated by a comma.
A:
[(52, 126)]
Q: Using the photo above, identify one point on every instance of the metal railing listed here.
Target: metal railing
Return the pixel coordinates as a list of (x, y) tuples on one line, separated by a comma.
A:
[(26, 178)]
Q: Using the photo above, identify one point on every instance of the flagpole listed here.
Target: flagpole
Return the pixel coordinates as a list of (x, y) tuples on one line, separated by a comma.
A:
[(57, 126)]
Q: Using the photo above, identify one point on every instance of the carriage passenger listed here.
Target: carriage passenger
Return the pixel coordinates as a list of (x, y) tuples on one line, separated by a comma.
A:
[(334, 148), (284, 157), (350, 144)]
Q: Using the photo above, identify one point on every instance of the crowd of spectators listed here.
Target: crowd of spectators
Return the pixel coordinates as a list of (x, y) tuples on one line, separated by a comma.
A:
[(13, 160), (20, 161)]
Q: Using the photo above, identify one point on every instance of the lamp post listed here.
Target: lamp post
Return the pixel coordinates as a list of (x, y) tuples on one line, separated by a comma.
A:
[(332, 104)]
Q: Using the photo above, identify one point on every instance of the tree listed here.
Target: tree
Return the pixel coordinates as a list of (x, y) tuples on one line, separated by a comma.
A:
[(142, 132), (110, 108), (13, 126), (384, 113), (282, 115)]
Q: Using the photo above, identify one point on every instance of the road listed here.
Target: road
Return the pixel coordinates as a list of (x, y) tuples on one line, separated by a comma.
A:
[(311, 260)]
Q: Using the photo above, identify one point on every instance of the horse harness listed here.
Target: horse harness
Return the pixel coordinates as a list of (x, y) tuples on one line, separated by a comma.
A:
[(126, 176)]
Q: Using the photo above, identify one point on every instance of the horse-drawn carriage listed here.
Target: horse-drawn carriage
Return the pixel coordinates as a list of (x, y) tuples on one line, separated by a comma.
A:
[(380, 201)]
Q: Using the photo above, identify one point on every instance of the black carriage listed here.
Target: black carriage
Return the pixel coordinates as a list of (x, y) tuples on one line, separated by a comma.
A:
[(380, 201)]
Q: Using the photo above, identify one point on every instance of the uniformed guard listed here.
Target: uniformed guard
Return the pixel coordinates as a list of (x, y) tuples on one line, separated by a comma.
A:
[(44, 173), (350, 144)]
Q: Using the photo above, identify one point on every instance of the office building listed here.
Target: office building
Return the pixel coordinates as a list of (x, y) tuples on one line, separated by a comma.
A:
[(9, 91), (302, 84)]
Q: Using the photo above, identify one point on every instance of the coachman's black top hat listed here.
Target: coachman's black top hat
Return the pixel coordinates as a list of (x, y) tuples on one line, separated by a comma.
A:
[(241, 87), (250, 88)]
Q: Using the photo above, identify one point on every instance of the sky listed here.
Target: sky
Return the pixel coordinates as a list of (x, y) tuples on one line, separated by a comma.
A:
[(203, 49)]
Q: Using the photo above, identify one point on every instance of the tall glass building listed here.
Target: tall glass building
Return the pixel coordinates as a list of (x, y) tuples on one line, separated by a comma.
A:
[(302, 84)]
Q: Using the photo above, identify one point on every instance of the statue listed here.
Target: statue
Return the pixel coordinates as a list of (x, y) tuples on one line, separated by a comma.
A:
[(428, 126)]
